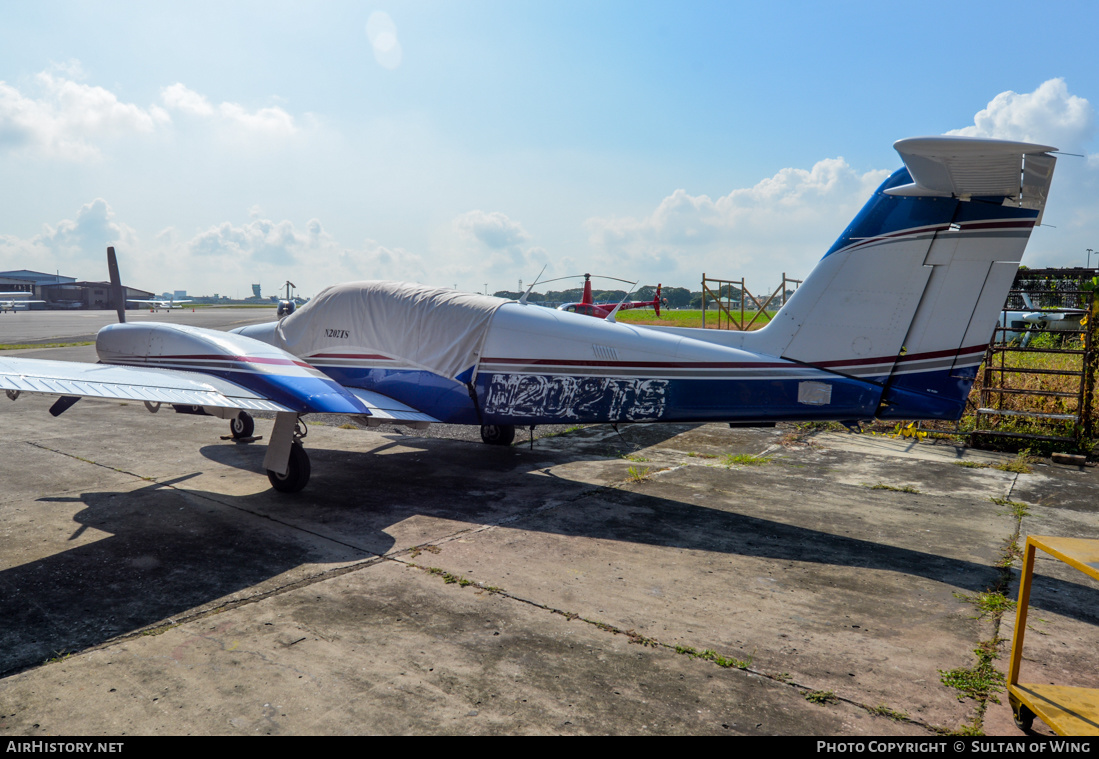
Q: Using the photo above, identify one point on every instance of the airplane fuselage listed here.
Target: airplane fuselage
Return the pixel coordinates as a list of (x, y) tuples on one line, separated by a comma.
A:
[(541, 366)]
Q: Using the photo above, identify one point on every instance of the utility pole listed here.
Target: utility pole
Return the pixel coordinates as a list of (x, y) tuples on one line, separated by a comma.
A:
[(1089, 257)]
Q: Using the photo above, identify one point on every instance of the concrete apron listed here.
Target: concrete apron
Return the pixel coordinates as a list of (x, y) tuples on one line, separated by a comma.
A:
[(439, 586)]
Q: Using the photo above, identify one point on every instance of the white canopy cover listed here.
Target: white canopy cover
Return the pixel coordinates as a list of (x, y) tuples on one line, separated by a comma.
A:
[(430, 328)]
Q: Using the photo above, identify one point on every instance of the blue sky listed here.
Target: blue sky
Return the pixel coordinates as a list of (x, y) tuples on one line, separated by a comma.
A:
[(471, 143)]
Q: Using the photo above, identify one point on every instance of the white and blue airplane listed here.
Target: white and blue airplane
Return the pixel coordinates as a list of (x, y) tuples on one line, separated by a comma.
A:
[(16, 301), (156, 305), (892, 323)]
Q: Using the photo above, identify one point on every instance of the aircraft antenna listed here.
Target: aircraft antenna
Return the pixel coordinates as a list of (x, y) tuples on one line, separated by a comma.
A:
[(118, 295), (523, 298), (610, 316)]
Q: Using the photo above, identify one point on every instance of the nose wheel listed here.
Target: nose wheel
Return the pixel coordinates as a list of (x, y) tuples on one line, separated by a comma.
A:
[(242, 425)]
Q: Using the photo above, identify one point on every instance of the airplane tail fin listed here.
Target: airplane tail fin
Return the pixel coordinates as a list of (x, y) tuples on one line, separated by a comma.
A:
[(909, 295)]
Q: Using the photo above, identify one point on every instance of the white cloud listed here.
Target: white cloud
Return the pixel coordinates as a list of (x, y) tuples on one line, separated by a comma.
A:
[(1049, 116), (272, 121), (90, 233), (179, 97), (65, 119), (263, 249), (494, 230), (786, 220)]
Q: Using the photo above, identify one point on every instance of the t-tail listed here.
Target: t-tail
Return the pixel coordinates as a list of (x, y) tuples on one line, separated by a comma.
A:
[(909, 295)]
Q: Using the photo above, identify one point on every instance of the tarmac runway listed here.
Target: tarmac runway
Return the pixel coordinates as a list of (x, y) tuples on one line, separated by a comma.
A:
[(19, 327), (649, 582)]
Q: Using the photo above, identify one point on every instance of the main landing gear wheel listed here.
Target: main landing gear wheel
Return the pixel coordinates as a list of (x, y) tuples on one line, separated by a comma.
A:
[(297, 471), (242, 426), (498, 434)]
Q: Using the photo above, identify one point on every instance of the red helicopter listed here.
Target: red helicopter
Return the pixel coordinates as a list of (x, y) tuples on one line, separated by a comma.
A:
[(587, 307)]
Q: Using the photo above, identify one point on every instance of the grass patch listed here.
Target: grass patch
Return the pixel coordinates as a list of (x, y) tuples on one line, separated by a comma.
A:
[(686, 317), (1020, 464), (822, 697), (991, 602), (449, 578), (694, 455), (885, 711), (29, 346), (728, 662), (1016, 508), (972, 465), (895, 488), (980, 682), (746, 459), (638, 474)]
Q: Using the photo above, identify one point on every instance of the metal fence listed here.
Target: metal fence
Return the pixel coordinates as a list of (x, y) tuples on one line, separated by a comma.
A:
[(1038, 379), (736, 307)]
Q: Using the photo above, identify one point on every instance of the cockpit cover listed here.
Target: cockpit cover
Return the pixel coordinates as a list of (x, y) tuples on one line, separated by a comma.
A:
[(429, 328)]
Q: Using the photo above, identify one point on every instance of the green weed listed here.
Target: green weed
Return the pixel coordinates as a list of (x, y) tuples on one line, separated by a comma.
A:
[(980, 682), (883, 486), (746, 459), (1020, 464), (885, 711), (1016, 508)]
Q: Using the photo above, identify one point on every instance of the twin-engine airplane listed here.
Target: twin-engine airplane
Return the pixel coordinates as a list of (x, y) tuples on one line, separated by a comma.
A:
[(892, 324)]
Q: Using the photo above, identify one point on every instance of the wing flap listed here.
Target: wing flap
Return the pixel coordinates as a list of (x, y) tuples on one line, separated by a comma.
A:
[(127, 383), (384, 408)]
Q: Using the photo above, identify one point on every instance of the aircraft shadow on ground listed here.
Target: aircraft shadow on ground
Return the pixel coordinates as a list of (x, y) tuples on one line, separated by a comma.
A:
[(171, 549)]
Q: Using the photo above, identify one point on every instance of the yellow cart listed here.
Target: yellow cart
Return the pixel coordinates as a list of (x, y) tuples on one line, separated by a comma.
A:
[(1067, 710)]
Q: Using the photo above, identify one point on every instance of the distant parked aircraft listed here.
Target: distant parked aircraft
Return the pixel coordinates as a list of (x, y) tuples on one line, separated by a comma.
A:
[(587, 307), (16, 301), (156, 305)]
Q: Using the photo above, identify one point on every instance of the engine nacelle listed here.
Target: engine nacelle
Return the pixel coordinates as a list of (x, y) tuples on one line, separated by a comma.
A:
[(264, 369)]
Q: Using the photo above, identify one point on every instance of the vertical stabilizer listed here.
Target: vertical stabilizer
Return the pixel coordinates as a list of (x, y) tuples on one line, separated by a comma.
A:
[(908, 296)]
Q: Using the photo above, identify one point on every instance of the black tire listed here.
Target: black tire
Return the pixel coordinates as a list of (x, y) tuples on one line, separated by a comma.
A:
[(297, 471), (243, 426), (498, 434), (1024, 717)]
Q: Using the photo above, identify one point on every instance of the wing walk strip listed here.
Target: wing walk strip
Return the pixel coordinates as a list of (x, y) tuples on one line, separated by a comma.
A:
[(127, 383), (52, 386)]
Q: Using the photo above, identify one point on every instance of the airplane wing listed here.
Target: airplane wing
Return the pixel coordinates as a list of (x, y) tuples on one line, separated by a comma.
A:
[(128, 383)]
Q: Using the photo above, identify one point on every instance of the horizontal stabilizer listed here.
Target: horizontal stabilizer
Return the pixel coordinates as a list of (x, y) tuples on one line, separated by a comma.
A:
[(966, 167), (19, 375)]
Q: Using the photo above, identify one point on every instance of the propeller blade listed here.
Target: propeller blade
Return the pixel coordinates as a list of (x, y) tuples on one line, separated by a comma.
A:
[(118, 295)]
